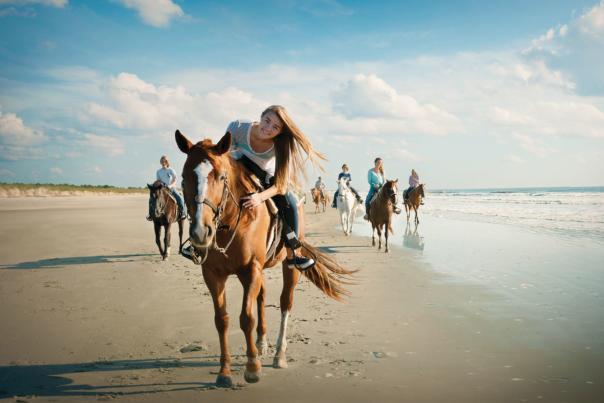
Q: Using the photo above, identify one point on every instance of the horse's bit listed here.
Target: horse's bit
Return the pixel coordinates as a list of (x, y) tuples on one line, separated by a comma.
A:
[(193, 252)]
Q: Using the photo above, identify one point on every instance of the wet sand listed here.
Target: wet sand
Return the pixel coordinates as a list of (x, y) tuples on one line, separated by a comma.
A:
[(90, 312)]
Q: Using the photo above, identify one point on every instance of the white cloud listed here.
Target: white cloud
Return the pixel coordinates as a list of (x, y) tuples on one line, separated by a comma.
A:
[(14, 132), (106, 144), (157, 13), (50, 3), (132, 103), (575, 50), (56, 171), (370, 97), (533, 146)]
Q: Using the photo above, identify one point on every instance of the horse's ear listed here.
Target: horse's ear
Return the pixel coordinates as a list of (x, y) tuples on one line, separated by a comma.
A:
[(149, 186), (396, 180), (183, 143), (223, 145)]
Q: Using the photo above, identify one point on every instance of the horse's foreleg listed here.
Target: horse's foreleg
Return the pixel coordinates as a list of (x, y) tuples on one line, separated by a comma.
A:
[(290, 279), (261, 342), (221, 319), (157, 228), (416, 219), (386, 230), (167, 236), (180, 225), (252, 283), (372, 234), (379, 232), (408, 211)]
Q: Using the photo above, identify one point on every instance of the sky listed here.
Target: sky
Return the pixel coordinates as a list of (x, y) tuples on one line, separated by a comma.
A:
[(471, 94)]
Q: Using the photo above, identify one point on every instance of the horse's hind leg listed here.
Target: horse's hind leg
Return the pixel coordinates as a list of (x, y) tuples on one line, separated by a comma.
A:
[(261, 342), (252, 283), (157, 228), (290, 279), (221, 319)]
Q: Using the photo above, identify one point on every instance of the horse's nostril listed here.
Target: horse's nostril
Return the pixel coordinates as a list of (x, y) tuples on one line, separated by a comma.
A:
[(209, 232)]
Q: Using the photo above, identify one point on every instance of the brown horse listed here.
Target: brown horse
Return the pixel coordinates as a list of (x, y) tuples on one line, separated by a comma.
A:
[(380, 212), (165, 212), (233, 241), (413, 200), (319, 197)]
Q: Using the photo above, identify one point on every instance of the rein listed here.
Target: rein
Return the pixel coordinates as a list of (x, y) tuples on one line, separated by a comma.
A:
[(217, 210)]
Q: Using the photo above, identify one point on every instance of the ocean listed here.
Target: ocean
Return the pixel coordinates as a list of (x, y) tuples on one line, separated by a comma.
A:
[(568, 211)]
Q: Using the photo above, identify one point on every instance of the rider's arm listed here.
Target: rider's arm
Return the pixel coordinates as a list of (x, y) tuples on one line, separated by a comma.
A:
[(173, 181), (257, 198)]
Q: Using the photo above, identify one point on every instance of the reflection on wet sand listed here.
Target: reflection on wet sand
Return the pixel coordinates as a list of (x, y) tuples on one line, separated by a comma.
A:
[(413, 240)]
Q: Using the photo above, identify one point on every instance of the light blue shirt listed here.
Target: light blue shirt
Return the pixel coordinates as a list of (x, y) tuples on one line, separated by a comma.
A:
[(376, 180)]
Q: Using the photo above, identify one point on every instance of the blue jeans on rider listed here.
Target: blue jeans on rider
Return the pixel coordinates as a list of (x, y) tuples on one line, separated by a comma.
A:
[(287, 205), (179, 200), (372, 191)]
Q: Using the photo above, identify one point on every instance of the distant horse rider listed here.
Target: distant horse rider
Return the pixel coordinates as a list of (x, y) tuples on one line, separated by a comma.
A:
[(168, 177), (320, 186), (376, 178), (413, 183), (346, 175)]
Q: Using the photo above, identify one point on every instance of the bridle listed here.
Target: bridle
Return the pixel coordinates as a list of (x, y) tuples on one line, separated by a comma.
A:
[(199, 255)]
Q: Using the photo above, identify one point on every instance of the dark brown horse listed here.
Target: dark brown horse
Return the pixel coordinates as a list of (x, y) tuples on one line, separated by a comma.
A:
[(165, 212), (413, 200), (320, 198), (380, 212), (233, 241)]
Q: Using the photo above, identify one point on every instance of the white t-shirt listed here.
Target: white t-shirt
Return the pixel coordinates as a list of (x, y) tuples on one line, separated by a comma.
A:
[(166, 175), (240, 145)]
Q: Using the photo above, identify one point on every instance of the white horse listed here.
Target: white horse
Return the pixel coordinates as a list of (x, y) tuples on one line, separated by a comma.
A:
[(347, 206)]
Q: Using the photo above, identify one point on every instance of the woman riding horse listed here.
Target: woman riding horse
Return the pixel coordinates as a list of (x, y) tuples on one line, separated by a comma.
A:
[(272, 149), (167, 176), (346, 175), (376, 180)]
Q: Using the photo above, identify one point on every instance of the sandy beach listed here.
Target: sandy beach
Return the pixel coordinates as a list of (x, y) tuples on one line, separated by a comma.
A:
[(88, 312)]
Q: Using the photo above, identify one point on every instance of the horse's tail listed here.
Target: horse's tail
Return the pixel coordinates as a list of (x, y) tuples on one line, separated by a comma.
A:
[(327, 274)]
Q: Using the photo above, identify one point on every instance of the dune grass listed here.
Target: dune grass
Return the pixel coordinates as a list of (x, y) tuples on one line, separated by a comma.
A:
[(66, 188)]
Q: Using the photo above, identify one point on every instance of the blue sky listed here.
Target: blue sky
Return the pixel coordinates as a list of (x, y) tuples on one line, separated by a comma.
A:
[(469, 93)]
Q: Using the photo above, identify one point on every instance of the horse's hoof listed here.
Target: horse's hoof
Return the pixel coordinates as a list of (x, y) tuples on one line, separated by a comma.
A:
[(164, 257), (280, 362), (251, 377), (223, 381)]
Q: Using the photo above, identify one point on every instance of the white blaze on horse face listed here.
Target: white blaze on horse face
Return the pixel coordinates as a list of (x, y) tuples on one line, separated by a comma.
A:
[(202, 171)]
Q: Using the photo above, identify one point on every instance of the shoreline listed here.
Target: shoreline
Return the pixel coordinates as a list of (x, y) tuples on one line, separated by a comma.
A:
[(95, 314)]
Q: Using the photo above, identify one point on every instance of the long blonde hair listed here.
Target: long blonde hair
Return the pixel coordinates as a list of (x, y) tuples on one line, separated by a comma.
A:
[(289, 147), (381, 168), (414, 174)]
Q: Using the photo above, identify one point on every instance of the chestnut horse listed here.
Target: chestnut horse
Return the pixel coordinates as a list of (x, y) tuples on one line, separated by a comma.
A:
[(413, 201), (233, 241), (165, 212), (380, 212), (319, 198)]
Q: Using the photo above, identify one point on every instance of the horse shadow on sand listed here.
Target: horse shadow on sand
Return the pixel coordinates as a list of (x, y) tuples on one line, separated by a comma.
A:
[(103, 378), (61, 262)]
